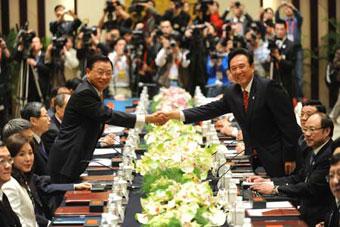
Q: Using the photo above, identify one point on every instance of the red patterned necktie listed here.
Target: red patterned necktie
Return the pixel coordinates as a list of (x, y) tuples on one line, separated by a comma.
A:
[(245, 100)]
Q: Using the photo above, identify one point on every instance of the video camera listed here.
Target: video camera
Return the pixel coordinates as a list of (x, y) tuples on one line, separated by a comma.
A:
[(25, 37), (272, 44), (58, 44), (88, 31)]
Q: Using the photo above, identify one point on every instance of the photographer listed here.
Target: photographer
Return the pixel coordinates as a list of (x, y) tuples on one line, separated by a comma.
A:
[(150, 19), (282, 57), (116, 15), (61, 26), (176, 15), (171, 61), (29, 50), (259, 48), (88, 44), (120, 83), (217, 66), (63, 61), (5, 89), (241, 21)]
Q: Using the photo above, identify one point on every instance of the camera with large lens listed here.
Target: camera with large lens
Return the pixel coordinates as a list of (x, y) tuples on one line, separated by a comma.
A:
[(272, 44), (87, 32), (110, 7), (25, 37), (58, 44)]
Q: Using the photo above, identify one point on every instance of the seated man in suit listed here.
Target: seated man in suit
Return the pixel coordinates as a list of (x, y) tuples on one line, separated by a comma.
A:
[(36, 113), (17, 125), (83, 123), (7, 216), (332, 219), (309, 185), (264, 112), (49, 137)]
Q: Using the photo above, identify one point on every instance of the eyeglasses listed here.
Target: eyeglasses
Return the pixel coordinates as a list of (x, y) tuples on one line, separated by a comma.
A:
[(311, 130), (3, 162), (103, 73), (332, 176)]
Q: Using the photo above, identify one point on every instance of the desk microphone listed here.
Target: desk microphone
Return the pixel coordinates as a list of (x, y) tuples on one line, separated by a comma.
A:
[(98, 162), (141, 84), (218, 169)]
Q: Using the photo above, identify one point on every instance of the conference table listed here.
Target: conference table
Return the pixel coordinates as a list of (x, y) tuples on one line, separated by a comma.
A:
[(84, 208)]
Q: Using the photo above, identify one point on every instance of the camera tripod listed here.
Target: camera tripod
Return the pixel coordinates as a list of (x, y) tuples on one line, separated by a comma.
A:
[(23, 86)]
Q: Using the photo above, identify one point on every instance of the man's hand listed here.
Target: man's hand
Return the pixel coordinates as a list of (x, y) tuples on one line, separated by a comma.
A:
[(83, 186), (289, 167), (263, 188), (107, 140), (175, 115), (31, 61), (257, 179), (158, 118)]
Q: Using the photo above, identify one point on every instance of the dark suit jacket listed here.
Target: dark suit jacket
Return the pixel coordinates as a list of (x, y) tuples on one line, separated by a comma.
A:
[(80, 130), (284, 72), (332, 219), (7, 216), (49, 137), (269, 126), (310, 186), (40, 159)]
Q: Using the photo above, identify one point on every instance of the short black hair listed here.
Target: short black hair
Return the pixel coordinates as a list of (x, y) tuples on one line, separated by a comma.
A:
[(281, 22), (241, 51), (326, 122), (335, 159), (97, 58), (58, 6), (31, 109), (15, 125), (73, 83), (317, 103)]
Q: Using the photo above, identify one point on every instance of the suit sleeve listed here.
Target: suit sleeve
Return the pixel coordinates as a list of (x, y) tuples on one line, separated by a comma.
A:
[(282, 110), (315, 185), (43, 183), (208, 111), (90, 105)]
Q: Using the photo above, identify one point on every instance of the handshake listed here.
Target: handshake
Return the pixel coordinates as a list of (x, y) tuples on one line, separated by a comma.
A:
[(160, 118)]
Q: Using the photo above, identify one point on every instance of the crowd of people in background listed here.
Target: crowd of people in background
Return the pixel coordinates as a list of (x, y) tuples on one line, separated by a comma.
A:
[(178, 48)]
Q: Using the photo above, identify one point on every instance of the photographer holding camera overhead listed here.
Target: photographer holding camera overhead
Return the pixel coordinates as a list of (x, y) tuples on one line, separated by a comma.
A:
[(61, 26), (117, 17), (177, 16)]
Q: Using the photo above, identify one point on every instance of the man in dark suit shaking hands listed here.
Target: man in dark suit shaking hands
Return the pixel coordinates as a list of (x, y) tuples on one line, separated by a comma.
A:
[(264, 112), (83, 123)]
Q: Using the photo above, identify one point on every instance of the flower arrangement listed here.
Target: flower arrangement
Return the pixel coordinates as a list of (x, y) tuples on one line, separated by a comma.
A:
[(171, 98), (173, 170)]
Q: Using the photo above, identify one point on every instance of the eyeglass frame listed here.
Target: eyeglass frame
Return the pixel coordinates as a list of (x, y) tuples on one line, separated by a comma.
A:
[(3, 161), (311, 130)]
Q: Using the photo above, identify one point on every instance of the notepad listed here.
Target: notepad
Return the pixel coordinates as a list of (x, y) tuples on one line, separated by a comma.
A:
[(103, 151)]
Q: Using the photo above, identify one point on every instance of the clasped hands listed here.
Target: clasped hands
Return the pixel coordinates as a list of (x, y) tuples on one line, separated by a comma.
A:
[(160, 118)]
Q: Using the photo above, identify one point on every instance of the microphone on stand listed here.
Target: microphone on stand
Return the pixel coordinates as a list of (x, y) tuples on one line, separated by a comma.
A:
[(215, 179)]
